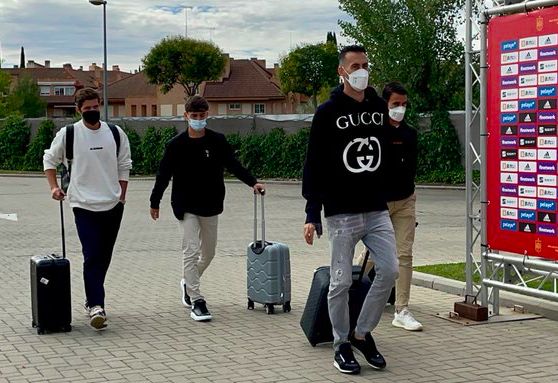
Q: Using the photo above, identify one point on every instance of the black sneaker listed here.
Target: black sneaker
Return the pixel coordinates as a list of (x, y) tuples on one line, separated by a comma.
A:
[(185, 297), (345, 361), (367, 348), (200, 313)]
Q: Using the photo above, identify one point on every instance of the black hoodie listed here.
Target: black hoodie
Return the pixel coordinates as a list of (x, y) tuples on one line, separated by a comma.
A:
[(344, 168)]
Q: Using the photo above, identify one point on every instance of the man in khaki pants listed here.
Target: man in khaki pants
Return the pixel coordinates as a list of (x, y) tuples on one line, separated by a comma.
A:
[(401, 196)]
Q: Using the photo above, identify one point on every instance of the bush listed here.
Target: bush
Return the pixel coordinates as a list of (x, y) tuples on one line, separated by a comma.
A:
[(14, 138), (135, 147), (153, 147), (294, 153), (252, 153), (42, 140)]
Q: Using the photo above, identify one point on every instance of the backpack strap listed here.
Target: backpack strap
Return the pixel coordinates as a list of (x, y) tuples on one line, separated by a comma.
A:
[(70, 142), (116, 135)]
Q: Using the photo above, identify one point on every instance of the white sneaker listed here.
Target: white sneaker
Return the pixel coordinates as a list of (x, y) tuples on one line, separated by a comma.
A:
[(98, 318), (404, 319)]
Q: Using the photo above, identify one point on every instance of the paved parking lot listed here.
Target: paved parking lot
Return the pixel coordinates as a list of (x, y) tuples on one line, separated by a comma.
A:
[(152, 339)]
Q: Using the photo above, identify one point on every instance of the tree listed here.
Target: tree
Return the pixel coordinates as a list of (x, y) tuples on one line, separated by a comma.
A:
[(4, 90), (331, 38), (308, 68), (25, 98), (415, 42), (22, 58), (184, 61)]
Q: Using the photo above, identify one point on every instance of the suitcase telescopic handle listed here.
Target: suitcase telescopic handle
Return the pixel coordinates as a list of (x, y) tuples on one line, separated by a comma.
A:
[(62, 226), (256, 219), (361, 273)]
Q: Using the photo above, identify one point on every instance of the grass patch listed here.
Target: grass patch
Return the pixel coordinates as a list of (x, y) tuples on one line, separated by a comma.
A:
[(456, 271)]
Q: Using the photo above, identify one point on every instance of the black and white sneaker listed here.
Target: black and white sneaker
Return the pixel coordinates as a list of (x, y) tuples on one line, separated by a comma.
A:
[(185, 297), (345, 361), (200, 313), (98, 318), (367, 348)]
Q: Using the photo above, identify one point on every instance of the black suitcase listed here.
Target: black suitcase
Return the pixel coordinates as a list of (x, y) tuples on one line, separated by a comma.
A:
[(315, 319), (50, 290)]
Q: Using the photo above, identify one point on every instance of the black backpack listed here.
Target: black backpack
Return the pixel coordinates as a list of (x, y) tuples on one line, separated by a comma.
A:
[(65, 176)]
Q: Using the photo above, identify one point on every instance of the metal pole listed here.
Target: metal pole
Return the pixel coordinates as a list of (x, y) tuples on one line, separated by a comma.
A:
[(105, 82), (468, 159), (521, 290), (519, 7)]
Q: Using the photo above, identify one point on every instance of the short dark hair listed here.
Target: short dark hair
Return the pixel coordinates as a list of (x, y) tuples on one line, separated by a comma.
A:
[(197, 104), (350, 48), (85, 94), (393, 87)]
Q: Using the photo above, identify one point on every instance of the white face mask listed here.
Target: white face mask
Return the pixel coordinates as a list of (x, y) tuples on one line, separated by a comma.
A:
[(197, 125), (397, 113), (358, 80)]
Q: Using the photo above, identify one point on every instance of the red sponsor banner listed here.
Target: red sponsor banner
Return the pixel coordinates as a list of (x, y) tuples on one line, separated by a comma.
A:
[(522, 163)]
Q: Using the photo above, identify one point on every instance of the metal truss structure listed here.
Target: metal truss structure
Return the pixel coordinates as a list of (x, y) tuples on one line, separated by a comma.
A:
[(487, 271)]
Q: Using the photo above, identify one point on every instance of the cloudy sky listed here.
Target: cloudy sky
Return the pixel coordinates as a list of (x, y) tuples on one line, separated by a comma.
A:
[(71, 30)]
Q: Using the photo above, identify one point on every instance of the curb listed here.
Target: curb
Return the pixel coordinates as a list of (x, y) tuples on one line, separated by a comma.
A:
[(543, 307)]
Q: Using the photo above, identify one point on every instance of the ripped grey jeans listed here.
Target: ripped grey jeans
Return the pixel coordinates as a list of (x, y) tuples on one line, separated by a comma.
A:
[(376, 232)]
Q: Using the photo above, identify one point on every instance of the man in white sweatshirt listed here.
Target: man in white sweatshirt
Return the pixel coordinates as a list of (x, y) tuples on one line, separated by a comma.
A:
[(97, 192)]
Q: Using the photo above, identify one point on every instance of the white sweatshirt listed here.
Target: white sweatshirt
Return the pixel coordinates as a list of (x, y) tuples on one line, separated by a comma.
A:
[(95, 169)]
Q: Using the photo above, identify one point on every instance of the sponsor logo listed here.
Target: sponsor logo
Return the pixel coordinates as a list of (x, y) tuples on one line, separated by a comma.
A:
[(526, 227), (527, 167), (508, 201), (527, 104), (527, 191), (527, 215), (524, 179), (523, 68), (547, 117), (509, 106), (507, 58), (511, 70), (508, 130), (546, 154), (546, 167), (547, 104), (545, 53), (527, 154), (508, 213), (548, 66), (509, 81), (538, 242), (510, 190), (544, 192), (540, 24), (527, 93), (528, 80), (510, 118), (528, 203), (548, 79), (527, 117), (510, 178), (508, 166), (509, 94), (547, 130), (527, 55), (546, 205), (509, 142), (546, 142), (527, 142), (509, 225), (546, 229), (510, 45), (509, 154), (527, 129), (547, 179), (544, 41), (545, 217), (547, 91), (528, 42)]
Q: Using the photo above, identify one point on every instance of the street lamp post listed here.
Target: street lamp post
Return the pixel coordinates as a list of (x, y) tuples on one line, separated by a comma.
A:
[(105, 81), (186, 7)]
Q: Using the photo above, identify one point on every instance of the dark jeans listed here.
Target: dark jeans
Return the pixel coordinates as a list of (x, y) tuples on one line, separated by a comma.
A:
[(97, 231)]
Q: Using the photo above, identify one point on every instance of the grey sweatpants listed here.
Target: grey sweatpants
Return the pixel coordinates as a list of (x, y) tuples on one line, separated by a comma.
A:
[(376, 232)]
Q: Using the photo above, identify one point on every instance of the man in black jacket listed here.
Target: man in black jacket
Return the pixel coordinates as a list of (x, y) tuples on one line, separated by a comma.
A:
[(196, 160), (344, 173)]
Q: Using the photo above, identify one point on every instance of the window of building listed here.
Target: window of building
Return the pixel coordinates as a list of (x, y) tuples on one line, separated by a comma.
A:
[(235, 106), (259, 108), (134, 110), (144, 110), (45, 90), (64, 90), (154, 110)]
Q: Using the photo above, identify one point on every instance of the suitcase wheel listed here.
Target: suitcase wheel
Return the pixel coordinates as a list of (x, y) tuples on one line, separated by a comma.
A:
[(269, 309), (40, 331), (33, 324), (250, 304), (67, 328), (287, 307)]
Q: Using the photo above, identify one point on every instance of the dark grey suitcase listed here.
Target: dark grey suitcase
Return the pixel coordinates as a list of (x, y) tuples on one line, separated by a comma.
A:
[(268, 270), (50, 290)]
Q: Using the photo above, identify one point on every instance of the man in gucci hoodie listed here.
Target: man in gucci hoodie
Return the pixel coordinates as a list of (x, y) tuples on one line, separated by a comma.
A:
[(344, 173)]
